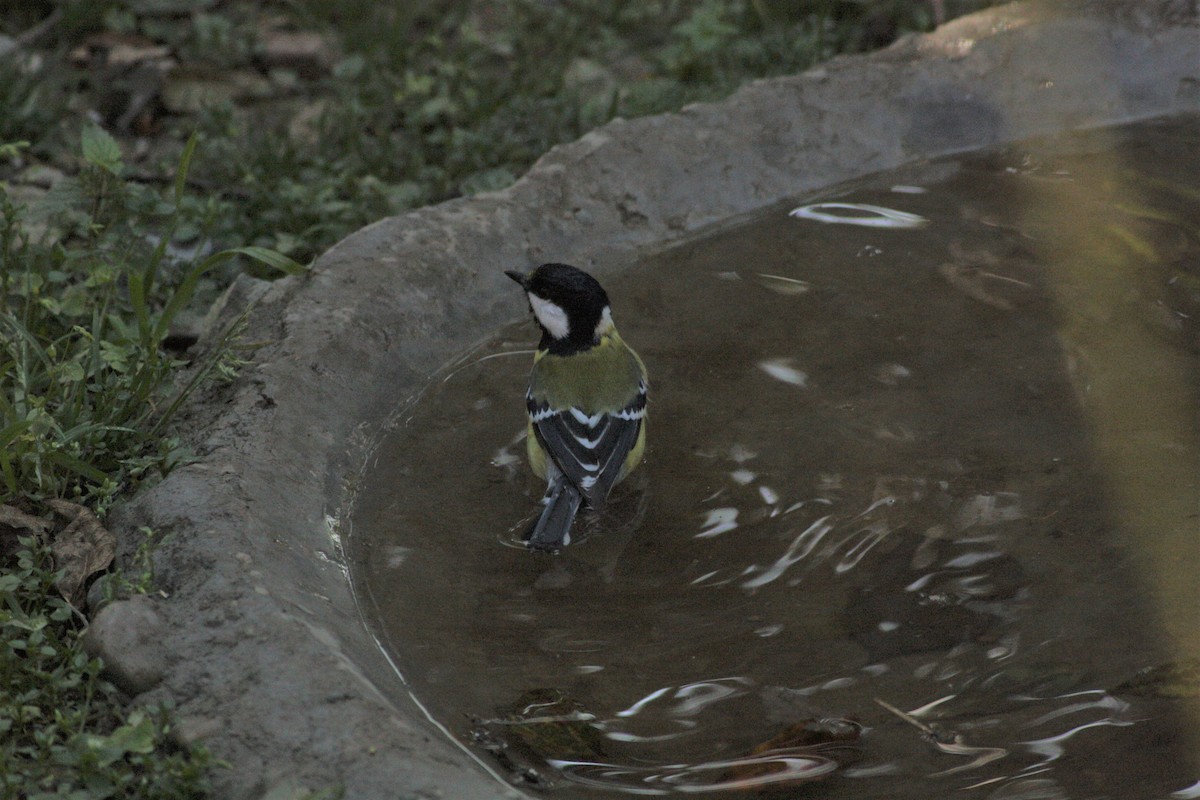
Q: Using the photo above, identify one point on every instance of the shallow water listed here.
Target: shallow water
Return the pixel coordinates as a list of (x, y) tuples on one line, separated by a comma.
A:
[(920, 501)]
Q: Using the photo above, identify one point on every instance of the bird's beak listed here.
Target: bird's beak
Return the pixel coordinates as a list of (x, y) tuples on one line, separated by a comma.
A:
[(519, 277)]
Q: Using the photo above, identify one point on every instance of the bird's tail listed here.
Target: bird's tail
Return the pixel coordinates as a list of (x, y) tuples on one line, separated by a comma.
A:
[(553, 528)]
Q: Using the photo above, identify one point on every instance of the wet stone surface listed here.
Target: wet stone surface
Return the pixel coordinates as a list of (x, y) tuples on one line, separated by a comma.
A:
[(887, 461)]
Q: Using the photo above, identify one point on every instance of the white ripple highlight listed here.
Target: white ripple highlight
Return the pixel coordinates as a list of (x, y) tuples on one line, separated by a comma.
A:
[(870, 216), (1051, 748), (1190, 793), (800, 547), (718, 521), (782, 369)]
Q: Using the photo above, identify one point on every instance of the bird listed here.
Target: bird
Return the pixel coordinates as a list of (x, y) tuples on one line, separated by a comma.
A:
[(586, 402)]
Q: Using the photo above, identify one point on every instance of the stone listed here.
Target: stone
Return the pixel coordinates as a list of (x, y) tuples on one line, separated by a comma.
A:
[(309, 54), (188, 89), (189, 730), (127, 635)]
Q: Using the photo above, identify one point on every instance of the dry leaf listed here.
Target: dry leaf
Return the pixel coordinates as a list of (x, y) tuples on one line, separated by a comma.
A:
[(19, 521), (81, 549), (15, 523), (812, 733)]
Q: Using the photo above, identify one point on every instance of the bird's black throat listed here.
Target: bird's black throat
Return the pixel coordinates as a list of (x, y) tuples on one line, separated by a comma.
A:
[(568, 345)]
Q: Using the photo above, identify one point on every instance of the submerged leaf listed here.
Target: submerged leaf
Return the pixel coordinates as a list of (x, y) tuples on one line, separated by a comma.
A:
[(551, 725), (774, 761)]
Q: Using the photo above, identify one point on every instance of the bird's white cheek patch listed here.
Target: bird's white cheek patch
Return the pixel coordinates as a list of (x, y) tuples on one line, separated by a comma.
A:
[(551, 316), (605, 324)]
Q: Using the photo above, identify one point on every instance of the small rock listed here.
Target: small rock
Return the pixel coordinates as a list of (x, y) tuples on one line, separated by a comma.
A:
[(188, 730), (23, 194), (41, 176), (127, 636), (305, 125), (191, 89), (588, 77), (309, 54)]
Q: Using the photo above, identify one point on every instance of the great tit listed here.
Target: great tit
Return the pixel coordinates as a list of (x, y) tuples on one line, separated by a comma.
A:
[(586, 400)]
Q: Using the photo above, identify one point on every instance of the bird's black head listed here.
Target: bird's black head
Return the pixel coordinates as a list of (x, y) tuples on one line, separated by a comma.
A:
[(570, 306)]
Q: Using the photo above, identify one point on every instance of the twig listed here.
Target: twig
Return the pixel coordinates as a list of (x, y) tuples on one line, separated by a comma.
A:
[(910, 719), (948, 742)]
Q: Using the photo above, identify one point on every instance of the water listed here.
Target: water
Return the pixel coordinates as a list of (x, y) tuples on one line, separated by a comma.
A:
[(920, 502)]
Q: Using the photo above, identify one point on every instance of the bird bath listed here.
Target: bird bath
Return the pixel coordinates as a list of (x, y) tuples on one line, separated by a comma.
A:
[(264, 648)]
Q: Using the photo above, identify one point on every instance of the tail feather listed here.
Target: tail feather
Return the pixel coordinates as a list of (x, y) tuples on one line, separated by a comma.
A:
[(553, 528)]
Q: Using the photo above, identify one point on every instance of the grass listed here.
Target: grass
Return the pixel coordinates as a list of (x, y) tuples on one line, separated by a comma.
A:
[(87, 304), (422, 102), (86, 391)]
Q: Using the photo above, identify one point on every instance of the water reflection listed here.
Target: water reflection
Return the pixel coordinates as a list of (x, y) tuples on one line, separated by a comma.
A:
[(732, 775), (870, 216), (922, 492)]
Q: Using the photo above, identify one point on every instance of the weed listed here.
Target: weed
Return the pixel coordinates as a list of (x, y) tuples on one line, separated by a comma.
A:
[(63, 729), (82, 372)]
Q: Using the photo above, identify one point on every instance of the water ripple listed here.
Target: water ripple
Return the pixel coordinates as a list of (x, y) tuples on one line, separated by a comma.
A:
[(1051, 748), (718, 521), (869, 537), (800, 547), (781, 369), (728, 775), (877, 216)]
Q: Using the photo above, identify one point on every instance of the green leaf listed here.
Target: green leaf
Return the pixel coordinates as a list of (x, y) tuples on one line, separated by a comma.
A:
[(11, 432), (185, 164), (9, 474), (271, 258), (71, 372), (9, 150), (75, 465), (350, 68), (135, 737), (188, 286), (137, 299), (101, 149)]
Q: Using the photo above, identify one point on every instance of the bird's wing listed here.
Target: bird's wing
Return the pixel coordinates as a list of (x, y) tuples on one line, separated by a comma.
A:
[(590, 450)]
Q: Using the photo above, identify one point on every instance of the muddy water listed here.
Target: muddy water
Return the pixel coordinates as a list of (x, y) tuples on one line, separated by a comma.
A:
[(919, 506)]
